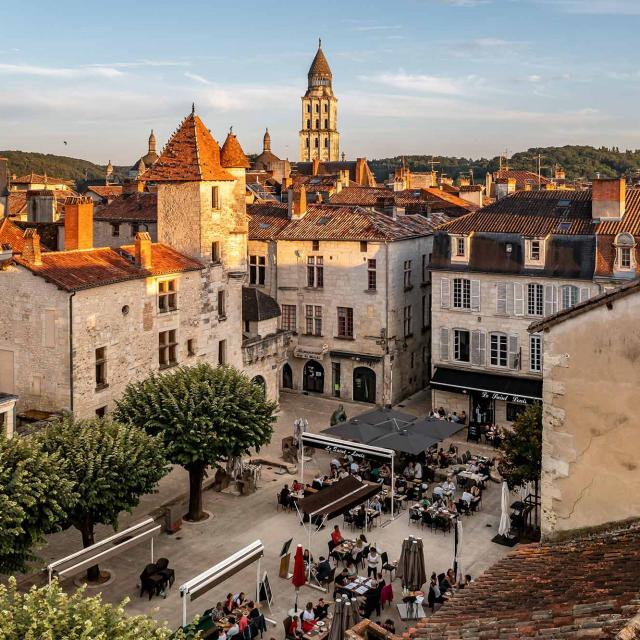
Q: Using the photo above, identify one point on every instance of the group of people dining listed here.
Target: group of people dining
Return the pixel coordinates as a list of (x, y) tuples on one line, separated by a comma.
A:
[(308, 619), (441, 414), (237, 616), (442, 586)]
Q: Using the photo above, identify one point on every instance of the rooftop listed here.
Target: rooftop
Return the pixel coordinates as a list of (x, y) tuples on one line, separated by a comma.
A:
[(258, 306), (10, 234), (37, 178), (131, 207), (524, 177), (106, 190), (232, 154)]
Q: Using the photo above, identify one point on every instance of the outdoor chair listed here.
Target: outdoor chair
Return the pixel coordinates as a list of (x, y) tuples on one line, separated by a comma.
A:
[(287, 625), (162, 568), (414, 516), (440, 522), (388, 566), (386, 595), (285, 505), (151, 581), (427, 519), (348, 519)]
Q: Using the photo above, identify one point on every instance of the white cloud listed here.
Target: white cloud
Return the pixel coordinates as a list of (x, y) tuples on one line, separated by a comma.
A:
[(59, 72), (145, 63), (377, 27), (196, 77), (416, 82), (597, 7)]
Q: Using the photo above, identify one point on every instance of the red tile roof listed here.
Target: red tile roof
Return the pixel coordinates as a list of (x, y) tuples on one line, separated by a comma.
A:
[(134, 207), (232, 155), (267, 220), (87, 269), (10, 234), (586, 586), (521, 177), (36, 178), (106, 190), (190, 155), (320, 66), (17, 202)]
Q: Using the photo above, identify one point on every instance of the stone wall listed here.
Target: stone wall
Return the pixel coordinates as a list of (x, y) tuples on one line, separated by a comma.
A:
[(591, 448), (103, 233)]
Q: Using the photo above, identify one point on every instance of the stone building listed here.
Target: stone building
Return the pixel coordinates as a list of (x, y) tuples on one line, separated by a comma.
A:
[(353, 288), (269, 161), (590, 391), (319, 137)]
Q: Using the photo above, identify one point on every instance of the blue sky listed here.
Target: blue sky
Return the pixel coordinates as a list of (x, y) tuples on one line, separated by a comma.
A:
[(441, 77)]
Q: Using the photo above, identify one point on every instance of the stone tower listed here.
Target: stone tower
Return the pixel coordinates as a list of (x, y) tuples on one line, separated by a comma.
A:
[(319, 137)]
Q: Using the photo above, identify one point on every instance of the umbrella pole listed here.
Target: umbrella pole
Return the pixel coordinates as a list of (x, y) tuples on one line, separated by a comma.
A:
[(309, 547), (393, 485), (455, 550)]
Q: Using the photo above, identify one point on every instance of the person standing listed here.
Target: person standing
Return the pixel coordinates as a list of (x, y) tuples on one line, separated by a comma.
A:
[(374, 563)]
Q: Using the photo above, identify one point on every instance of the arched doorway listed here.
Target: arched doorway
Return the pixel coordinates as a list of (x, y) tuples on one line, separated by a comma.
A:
[(364, 385), (313, 377), (259, 381), (287, 376)]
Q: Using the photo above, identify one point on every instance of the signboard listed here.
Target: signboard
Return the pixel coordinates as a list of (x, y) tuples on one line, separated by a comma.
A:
[(264, 590), (507, 397), (345, 448), (310, 354)]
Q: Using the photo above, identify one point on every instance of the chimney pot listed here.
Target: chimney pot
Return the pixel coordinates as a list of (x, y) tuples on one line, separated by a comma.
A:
[(143, 250)]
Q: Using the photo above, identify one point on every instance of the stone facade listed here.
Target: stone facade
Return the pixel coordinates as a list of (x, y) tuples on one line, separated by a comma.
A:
[(590, 471)]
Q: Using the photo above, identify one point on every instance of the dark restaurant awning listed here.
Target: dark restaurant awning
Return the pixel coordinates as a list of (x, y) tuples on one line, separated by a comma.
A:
[(346, 494), (507, 388)]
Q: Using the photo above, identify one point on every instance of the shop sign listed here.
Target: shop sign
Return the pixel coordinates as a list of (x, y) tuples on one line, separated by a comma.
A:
[(506, 397)]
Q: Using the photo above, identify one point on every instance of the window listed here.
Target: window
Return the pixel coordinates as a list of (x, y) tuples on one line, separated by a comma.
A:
[(316, 145), (317, 108), (289, 317), (313, 317), (371, 275), (363, 246), (625, 244), (534, 252), (345, 322), (413, 359), (499, 350), (535, 352), (257, 269), (460, 248), (625, 257), (101, 412), (535, 299), (461, 293), (570, 296), (191, 347), (308, 108), (315, 245), (425, 267), (222, 304), (461, 344), (407, 274), (326, 107), (317, 122), (101, 367), (222, 352), (326, 143), (115, 230), (315, 271), (326, 124), (215, 197), (408, 321), (167, 296), (514, 410), (307, 140), (216, 254), (425, 311), (308, 127), (167, 348)]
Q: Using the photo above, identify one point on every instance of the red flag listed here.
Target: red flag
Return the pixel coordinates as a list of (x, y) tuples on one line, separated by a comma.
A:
[(299, 575)]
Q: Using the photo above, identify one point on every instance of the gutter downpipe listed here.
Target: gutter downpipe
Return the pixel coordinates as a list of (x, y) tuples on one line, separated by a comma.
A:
[(386, 329), (73, 293)]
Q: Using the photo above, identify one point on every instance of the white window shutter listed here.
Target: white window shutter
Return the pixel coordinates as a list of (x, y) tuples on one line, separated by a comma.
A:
[(548, 299), (514, 354), (475, 295), (444, 343), (501, 298), (482, 347), (475, 347), (518, 299), (445, 293), (585, 293)]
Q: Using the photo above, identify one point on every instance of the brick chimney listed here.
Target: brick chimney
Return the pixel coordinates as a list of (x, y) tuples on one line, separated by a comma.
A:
[(608, 198), (131, 185), (78, 223), (4, 176), (315, 167), (31, 252), (287, 181), (360, 172), (297, 203), (143, 250)]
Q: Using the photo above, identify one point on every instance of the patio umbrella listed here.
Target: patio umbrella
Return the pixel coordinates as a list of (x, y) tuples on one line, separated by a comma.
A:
[(457, 565), (401, 568), (355, 430), (299, 577), (505, 521), (347, 615), (355, 614), (406, 439), (336, 631), (417, 573)]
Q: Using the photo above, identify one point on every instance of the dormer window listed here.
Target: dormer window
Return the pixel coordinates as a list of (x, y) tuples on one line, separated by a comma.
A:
[(625, 252), (460, 248), (534, 252)]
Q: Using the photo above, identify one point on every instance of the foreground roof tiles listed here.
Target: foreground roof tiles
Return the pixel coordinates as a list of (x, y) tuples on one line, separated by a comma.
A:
[(521, 177), (583, 587), (10, 234), (86, 269), (190, 155), (106, 191)]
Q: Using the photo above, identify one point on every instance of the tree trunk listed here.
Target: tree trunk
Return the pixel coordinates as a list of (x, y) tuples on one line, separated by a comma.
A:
[(196, 476), (86, 529)]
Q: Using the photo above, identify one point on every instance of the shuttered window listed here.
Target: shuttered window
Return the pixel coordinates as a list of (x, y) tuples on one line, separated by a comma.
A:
[(444, 343), (501, 298), (514, 353), (445, 293), (478, 347)]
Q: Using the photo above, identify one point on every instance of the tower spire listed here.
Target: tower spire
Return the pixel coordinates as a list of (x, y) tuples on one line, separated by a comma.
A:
[(319, 43)]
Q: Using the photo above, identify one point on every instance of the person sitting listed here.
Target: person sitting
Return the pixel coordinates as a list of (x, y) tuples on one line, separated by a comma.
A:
[(376, 504), (451, 578), (297, 486), (467, 497), (385, 470), (351, 568), (409, 471), (363, 538), (317, 482), (321, 609), (441, 412), (308, 618), (449, 487), (435, 596), (360, 518), (218, 612), (463, 417), (438, 493), (243, 623), (228, 604), (285, 499), (294, 631), (389, 625), (307, 558), (443, 459), (336, 536), (417, 472), (234, 629), (341, 581), (323, 570), (239, 599), (375, 474), (222, 634), (356, 551), (465, 581)]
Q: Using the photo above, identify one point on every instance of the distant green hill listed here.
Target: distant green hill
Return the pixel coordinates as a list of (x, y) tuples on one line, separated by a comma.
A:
[(82, 171), (579, 162)]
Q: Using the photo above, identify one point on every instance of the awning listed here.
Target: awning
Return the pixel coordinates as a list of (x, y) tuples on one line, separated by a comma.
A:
[(357, 357), (338, 499), (508, 388)]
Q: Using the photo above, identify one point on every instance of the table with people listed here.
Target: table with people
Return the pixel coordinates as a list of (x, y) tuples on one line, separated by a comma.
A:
[(236, 615), (313, 622)]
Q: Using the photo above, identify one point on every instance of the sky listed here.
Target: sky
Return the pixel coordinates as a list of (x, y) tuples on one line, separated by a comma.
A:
[(435, 77)]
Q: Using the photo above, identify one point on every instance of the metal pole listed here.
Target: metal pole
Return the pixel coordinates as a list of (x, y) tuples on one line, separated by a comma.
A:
[(455, 550), (184, 609), (393, 491), (258, 584), (151, 550), (309, 548), (302, 463)]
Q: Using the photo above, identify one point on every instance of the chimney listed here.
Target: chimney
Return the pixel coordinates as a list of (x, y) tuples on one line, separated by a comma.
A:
[(387, 205), (41, 206), (608, 198), (132, 185), (31, 252), (297, 203), (4, 177), (78, 223), (287, 181), (360, 172), (315, 167), (143, 250)]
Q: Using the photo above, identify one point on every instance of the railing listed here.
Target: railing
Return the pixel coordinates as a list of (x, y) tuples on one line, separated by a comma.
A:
[(259, 348)]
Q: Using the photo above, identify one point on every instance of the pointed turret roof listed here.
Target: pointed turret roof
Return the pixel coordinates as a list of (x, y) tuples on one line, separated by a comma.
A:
[(190, 155), (319, 67), (232, 155)]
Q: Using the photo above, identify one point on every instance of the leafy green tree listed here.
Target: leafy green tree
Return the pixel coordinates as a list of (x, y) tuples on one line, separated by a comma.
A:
[(48, 613), (110, 465), (204, 414), (35, 495)]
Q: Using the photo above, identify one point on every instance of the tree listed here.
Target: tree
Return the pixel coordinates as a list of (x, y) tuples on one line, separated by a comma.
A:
[(522, 450), (35, 495), (110, 465), (48, 612), (204, 414)]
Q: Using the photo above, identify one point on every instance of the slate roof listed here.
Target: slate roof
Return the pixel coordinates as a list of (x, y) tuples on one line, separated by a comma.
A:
[(586, 586), (130, 207), (232, 154), (10, 234), (267, 220), (106, 190), (258, 306), (90, 268), (190, 155)]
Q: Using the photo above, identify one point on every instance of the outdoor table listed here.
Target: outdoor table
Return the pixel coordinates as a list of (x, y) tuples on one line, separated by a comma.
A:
[(476, 477), (359, 586), (318, 633), (344, 548), (296, 496)]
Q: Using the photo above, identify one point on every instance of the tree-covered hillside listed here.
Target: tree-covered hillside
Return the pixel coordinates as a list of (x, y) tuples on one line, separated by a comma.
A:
[(579, 162)]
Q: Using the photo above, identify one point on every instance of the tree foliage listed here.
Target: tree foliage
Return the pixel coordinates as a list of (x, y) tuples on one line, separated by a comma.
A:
[(48, 613), (110, 465), (522, 448), (204, 414), (35, 495)]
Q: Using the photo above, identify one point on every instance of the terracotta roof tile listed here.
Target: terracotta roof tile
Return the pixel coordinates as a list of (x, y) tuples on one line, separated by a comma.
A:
[(267, 220), (586, 586), (521, 177), (134, 207), (17, 202), (190, 155), (106, 190), (38, 178), (87, 269), (320, 66), (232, 155), (10, 234)]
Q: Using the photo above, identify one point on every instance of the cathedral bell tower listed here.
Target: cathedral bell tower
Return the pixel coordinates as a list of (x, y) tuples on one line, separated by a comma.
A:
[(319, 137)]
